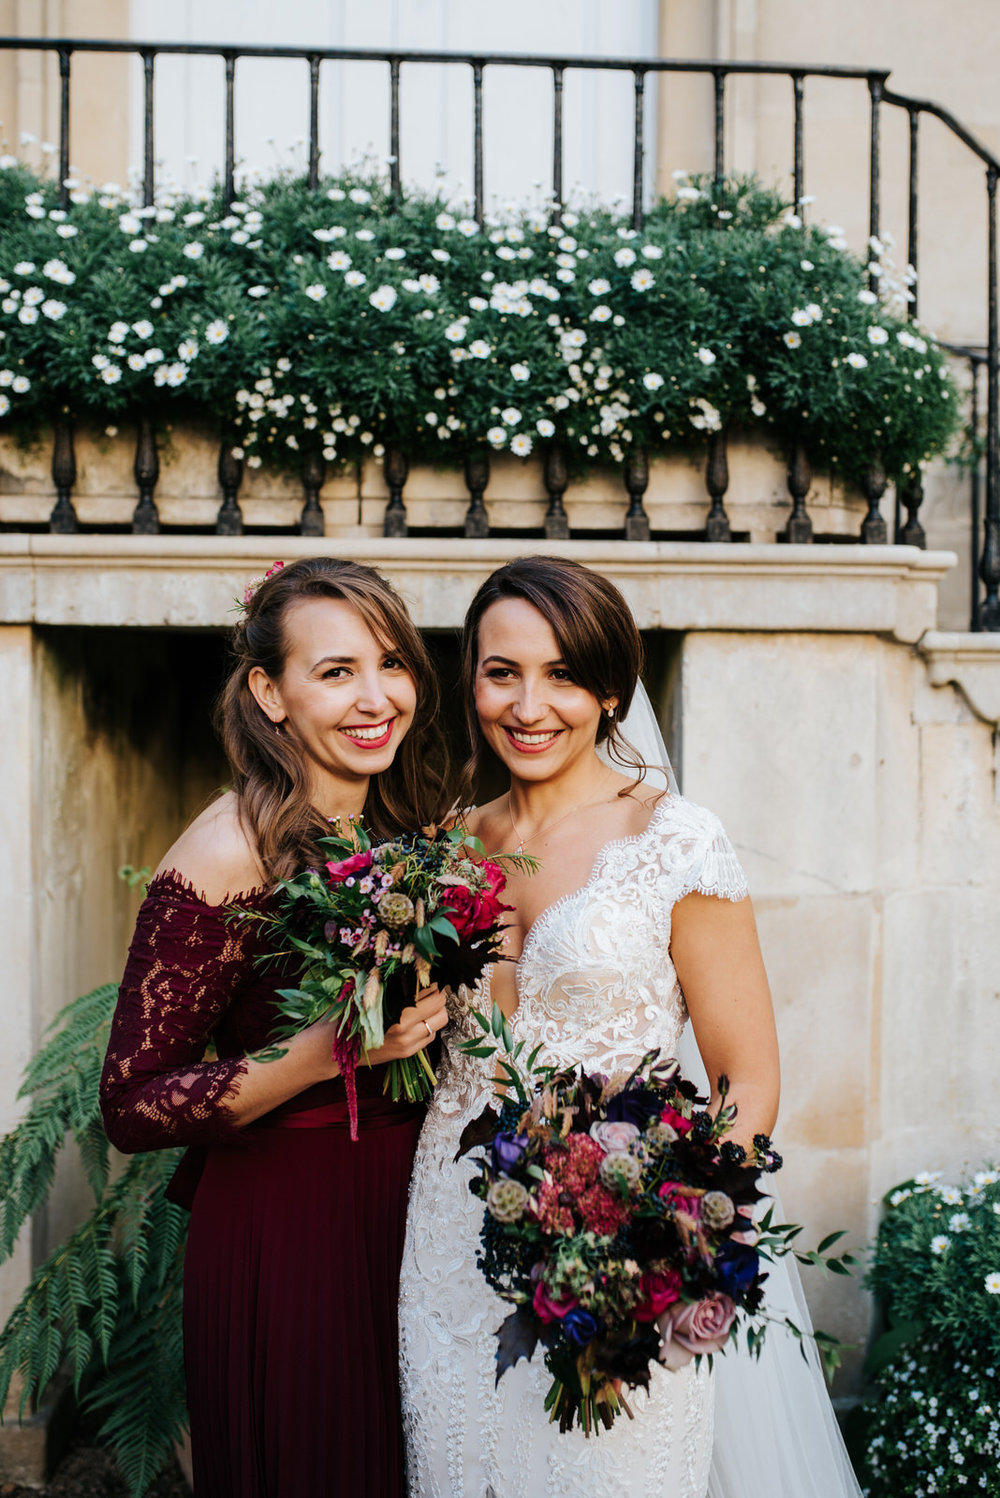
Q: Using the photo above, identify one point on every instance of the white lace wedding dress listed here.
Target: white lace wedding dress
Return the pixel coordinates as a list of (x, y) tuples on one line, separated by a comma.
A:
[(595, 985)]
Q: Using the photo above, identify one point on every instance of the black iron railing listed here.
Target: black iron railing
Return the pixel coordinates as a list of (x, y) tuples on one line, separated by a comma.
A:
[(986, 525)]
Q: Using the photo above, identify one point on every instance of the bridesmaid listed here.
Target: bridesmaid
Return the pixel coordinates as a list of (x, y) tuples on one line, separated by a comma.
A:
[(296, 1233)]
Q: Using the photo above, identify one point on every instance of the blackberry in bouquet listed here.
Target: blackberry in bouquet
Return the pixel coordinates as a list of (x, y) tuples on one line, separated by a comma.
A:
[(375, 924), (619, 1223)]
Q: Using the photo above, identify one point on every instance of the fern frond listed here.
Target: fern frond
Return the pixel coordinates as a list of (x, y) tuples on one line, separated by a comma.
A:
[(62, 1081)]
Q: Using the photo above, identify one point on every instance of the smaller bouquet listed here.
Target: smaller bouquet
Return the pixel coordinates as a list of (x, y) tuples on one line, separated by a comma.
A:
[(619, 1223), (379, 922)]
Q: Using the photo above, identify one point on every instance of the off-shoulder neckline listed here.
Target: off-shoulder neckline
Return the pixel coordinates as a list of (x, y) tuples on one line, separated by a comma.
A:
[(174, 879)]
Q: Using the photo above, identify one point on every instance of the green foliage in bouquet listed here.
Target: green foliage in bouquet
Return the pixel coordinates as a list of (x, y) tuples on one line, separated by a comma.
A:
[(341, 320), (934, 1426), (106, 1303)]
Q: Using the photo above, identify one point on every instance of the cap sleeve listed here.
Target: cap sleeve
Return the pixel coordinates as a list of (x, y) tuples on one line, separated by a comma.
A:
[(187, 962), (710, 865)]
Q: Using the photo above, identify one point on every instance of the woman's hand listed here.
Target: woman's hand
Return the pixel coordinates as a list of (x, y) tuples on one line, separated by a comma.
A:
[(416, 1028)]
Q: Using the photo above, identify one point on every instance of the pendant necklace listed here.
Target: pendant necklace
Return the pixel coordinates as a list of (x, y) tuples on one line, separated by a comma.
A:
[(540, 832)]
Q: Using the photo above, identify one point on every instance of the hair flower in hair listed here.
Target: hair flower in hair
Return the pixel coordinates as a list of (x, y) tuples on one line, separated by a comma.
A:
[(257, 582)]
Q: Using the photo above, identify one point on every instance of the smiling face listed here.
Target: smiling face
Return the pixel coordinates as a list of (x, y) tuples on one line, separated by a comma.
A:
[(343, 696), (532, 714)]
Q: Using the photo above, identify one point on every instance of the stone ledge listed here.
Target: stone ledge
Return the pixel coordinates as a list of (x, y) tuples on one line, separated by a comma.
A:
[(191, 581), (970, 662)]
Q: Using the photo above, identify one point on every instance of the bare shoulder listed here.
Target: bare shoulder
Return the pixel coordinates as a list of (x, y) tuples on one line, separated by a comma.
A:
[(639, 803), (214, 853), (490, 823)]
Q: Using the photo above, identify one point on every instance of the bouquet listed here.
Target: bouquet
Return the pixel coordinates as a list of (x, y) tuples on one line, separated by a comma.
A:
[(619, 1223), (378, 922)]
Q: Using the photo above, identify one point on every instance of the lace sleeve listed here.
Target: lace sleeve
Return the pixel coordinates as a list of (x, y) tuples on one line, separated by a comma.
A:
[(714, 868), (184, 967)]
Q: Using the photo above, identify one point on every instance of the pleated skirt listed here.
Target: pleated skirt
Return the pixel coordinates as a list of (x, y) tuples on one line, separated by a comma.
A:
[(290, 1309)]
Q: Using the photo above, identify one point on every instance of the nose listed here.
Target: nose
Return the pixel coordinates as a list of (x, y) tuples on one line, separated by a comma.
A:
[(529, 706), (371, 698)]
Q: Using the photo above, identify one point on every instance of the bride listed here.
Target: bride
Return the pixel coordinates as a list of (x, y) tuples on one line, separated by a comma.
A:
[(636, 919)]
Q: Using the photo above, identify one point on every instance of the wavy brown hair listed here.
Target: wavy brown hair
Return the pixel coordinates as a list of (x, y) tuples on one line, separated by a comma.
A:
[(269, 774), (598, 639)]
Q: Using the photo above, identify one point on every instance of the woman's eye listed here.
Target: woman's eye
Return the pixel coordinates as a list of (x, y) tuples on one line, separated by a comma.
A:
[(335, 673), (393, 663), (499, 673), (560, 674)]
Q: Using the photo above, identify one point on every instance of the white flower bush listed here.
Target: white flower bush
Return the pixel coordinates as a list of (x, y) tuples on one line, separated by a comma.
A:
[(342, 321), (933, 1425)]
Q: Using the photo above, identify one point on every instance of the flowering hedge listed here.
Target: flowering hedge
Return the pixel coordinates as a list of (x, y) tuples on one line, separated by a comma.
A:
[(339, 319), (935, 1425)]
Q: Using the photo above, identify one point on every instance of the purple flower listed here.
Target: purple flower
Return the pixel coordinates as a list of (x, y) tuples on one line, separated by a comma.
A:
[(636, 1105), (580, 1326), (736, 1265), (508, 1152)]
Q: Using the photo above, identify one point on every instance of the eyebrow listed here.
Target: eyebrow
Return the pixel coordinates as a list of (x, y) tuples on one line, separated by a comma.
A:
[(502, 660), (335, 660)]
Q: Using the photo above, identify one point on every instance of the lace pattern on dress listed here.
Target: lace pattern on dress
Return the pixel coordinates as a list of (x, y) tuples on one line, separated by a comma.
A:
[(187, 962), (596, 985)]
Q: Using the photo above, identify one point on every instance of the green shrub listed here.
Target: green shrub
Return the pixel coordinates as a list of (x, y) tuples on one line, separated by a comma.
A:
[(934, 1424), (341, 320)]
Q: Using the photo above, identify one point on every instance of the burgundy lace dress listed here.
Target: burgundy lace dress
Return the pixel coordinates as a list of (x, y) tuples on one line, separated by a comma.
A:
[(292, 1269)]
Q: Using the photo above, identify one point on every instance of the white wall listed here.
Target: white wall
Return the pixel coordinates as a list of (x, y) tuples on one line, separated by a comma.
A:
[(272, 119)]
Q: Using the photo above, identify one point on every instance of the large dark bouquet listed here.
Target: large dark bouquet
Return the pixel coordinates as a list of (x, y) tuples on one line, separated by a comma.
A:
[(379, 922), (619, 1223)]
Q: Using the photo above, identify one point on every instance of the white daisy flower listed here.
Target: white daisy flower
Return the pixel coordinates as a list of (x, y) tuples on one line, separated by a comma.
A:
[(217, 331), (468, 227), (336, 194), (58, 270), (950, 1195), (99, 361), (480, 349), (428, 283), (316, 292), (652, 252), (455, 332), (574, 338), (54, 309), (339, 260), (364, 234), (544, 427), (67, 231), (28, 315), (940, 1244), (520, 372), (992, 1284), (496, 436), (959, 1222), (138, 246), (856, 361), (878, 336), (757, 406), (4, 405), (20, 384), (807, 265), (256, 291), (792, 340), (359, 195), (187, 351), (355, 278), (34, 296), (129, 223), (815, 311), (154, 355), (111, 375), (240, 237), (801, 318), (395, 254), (625, 256), (24, 268), (176, 374), (643, 279), (520, 445), (600, 313), (689, 194), (652, 381), (599, 286), (9, 304), (136, 361), (510, 415), (384, 299), (194, 250), (190, 219)]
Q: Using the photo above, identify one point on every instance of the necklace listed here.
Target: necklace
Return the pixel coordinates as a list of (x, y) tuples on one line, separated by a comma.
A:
[(540, 831)]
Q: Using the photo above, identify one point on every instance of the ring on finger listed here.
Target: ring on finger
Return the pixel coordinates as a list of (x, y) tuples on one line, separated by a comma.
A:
[(430, 1032)]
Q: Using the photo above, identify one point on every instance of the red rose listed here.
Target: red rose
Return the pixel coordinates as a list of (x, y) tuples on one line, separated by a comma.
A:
[(676, 1121), (658, 1292), (674, 1193), (695, 1329), (356, 864), (471, 911), (547, 1309), (496, 879)]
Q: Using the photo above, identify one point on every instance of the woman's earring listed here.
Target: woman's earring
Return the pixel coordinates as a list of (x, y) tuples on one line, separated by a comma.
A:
[(610, 712)]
